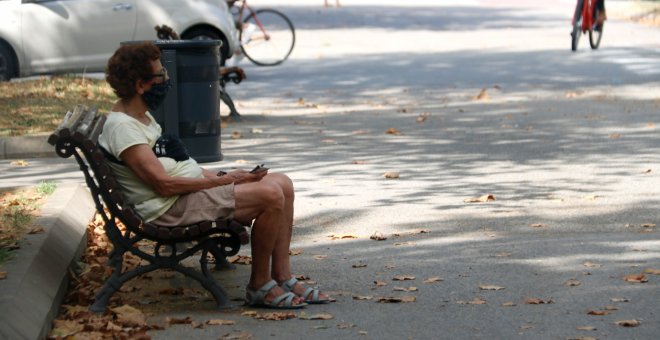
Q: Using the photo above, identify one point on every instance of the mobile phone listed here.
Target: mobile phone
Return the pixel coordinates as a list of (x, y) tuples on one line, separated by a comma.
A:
[(258, 168)]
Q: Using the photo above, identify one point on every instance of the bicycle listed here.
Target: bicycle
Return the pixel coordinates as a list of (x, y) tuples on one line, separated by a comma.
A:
[(585, 20), (266, 35)]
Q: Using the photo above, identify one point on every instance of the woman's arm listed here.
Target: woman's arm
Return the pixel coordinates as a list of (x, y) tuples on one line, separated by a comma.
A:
[(142, 161)]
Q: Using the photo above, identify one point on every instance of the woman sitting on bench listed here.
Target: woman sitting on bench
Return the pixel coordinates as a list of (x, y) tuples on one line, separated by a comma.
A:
[(170, 189)]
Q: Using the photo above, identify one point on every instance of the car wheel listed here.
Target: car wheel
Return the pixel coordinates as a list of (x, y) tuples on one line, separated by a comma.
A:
[(7, 63), (209, 34)]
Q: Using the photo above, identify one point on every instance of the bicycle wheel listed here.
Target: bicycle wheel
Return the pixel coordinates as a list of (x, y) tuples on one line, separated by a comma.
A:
[(267, 37), (575, 35), (595, 34)]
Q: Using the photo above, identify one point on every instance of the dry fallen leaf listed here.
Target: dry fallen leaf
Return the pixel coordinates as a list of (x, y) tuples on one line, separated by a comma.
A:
[(422, 117), (480, 199), (404, 289), (236, 135), (591, 265), (392, 299), (19, 163), (433, 279), (321, 316), (628, 323), (241, 259), (320, 257), (586, 328), (490, 287), (359, 265), (404, 244), (503, 254), (636, 278), (378, 236), (341, 236), (403, 278), (180, 321), (538, 225), (276, 316), (236, 336), (362, 297), (598, 312), (220, 322), (294, 252), (380, 283), (3, 275), (535, 301), (509, 304), (572, 283), (615, 135), (648, 225), (620, 299), (130, 316), (652, 271), (391, 175), (65, 328), (36, 230), (475, 301), (483, 95), (392, 131)]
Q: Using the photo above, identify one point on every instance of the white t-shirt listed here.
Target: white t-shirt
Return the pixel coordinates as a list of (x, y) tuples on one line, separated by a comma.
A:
[(122, 131)]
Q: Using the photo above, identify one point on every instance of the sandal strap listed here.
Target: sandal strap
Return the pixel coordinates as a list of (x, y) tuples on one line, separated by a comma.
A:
[(314, 292), (310, 294), (288, 284), (258, 296), (287, 297)]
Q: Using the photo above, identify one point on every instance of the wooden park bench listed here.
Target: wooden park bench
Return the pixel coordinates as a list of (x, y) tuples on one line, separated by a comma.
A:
[(77, 135)]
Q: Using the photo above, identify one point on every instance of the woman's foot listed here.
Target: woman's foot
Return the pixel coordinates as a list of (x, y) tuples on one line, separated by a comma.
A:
[(309, 295), (272, 296)]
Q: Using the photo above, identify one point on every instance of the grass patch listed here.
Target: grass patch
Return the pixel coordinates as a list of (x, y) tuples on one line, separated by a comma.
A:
[(18, 209), (34, 107)]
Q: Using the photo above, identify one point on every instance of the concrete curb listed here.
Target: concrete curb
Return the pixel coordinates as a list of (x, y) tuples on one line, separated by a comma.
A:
[(37, 276), (25, 147)]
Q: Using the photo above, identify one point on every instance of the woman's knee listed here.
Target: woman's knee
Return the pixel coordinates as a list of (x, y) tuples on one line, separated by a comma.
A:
[(271, 196), (284, 182)]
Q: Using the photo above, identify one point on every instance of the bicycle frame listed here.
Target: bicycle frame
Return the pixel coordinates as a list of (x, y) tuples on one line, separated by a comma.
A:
[(588, 10), (239, 20)]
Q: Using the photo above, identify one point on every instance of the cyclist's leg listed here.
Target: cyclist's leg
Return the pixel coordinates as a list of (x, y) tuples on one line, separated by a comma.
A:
[(600, 9)]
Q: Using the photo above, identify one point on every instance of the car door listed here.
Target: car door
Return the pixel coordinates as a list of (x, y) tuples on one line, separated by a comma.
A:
[(74, 35)]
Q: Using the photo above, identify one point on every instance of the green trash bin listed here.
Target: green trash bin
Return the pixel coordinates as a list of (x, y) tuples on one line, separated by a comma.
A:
[(191, 109)]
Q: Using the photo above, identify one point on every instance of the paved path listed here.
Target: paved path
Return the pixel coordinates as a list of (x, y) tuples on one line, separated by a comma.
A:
[(566, 142)]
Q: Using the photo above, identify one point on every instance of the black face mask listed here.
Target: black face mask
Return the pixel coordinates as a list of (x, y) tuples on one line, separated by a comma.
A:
[(155, 96)]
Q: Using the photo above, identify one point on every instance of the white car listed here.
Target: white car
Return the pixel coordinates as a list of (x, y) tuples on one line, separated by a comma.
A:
[(58, 36)]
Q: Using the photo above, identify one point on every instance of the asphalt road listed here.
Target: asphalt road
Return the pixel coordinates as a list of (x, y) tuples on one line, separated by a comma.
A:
[(565, 142)]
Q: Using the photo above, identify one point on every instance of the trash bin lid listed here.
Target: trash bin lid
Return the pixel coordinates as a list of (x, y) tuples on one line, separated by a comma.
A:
[(180, 44)]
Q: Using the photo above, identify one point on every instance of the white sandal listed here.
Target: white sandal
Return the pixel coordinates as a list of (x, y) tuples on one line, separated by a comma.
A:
[(313, 292), (258, 298)]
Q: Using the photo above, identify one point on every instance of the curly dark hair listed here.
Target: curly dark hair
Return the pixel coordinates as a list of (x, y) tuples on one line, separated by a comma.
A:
[(130, 63)]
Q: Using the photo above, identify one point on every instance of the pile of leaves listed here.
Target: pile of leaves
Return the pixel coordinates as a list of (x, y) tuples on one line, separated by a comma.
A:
[(37, 106), (121, 320)]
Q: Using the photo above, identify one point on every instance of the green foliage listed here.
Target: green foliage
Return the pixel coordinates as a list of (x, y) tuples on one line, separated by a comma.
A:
[(46, 187)]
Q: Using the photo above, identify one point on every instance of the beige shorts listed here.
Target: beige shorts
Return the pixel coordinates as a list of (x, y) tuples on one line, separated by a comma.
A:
[(205, 205)]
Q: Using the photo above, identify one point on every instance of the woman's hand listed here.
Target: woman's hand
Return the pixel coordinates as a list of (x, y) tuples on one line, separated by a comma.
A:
[(243, 176)]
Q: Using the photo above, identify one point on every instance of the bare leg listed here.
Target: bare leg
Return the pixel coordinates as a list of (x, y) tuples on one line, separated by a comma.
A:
[(281, 266), (264, 202)]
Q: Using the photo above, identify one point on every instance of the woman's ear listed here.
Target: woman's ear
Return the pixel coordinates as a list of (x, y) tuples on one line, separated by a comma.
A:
[(140, 86)]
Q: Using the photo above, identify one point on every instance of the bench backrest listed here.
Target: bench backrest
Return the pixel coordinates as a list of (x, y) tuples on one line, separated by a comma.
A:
[(78, 135)]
